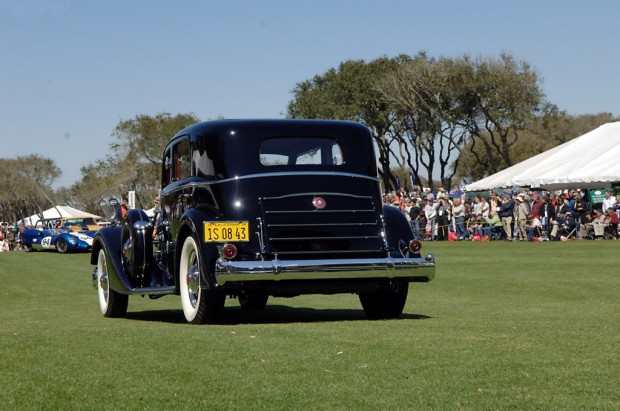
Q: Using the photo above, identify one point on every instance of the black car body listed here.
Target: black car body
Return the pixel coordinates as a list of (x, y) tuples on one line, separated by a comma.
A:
[(259, 208)]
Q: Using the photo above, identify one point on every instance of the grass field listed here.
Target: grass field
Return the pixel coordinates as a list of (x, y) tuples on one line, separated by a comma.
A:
[(503, 326)]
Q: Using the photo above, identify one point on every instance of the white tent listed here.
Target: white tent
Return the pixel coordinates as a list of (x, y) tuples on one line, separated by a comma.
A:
[(588, 161), (57, 212)]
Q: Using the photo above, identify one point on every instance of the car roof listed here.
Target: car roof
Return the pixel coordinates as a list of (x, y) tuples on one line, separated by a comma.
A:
[(237, 141)]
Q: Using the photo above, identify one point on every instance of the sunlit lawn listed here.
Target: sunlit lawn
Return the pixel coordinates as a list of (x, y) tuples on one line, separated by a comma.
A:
[(503, 326)]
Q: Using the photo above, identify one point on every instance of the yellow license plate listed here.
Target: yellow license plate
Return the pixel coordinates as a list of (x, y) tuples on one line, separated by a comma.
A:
[(226, 231)]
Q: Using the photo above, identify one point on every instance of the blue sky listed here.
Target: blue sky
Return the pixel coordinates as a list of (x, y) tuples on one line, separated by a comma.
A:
[(72, 70)]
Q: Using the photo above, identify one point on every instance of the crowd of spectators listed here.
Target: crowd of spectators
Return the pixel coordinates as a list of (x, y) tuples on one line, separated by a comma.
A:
[(440, 214), (9, 237)]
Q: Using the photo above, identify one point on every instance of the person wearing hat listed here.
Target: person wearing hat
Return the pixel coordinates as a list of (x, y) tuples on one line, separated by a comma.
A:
[(523, 209)]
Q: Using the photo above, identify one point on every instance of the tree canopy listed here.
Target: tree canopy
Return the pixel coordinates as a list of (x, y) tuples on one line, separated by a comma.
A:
[(432, 114), (25, 184)]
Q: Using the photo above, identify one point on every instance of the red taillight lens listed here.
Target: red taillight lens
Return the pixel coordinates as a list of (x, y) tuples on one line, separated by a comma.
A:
[(229, 251), (415, 246)]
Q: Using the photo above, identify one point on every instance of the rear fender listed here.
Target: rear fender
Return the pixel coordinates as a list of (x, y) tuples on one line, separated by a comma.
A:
[(192, 223), (397, 229)]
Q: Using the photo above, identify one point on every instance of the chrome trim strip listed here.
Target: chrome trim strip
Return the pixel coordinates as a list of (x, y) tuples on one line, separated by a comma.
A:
[(302, 173), (319, 212), (208, 181), (362, 224), (320, 193), (276, 269)]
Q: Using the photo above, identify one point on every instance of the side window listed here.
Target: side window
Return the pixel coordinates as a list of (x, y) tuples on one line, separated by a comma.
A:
[(181, 164), (166, 177), (202, 157)]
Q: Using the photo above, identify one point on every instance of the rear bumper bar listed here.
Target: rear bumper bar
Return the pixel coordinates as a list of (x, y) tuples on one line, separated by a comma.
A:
[(411, 269)]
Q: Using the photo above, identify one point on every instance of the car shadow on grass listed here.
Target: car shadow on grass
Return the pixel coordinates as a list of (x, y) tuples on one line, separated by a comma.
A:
[(272, 314)]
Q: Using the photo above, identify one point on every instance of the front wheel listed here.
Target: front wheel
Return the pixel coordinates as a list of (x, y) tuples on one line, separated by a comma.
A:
[(200, 306), (385, 303), (112, 304), (61, 246)]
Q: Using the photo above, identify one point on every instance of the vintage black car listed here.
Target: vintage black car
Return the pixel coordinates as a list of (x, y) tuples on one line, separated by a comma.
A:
[(259, 208)]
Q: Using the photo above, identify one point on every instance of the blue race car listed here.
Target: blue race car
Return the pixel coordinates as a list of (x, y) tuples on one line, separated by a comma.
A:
[(60, 239)]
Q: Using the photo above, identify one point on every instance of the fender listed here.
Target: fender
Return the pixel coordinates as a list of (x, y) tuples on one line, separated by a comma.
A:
[(109, 239), (192, 222), (397, 228)]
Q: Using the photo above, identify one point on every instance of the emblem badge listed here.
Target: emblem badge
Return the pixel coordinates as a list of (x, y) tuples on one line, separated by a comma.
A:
[(319, 203)]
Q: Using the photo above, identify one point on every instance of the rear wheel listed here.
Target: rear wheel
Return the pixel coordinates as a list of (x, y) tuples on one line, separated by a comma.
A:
[(200, 306), (385, 303), (112, 304)]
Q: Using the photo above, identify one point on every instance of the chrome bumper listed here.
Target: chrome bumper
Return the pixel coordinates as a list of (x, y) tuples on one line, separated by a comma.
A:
[(413, 269)]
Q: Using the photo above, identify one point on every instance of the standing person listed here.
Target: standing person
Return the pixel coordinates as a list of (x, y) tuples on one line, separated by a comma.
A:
[(459, 216), (496, 202), (10, 237), (485, 207), (477, 207), (430, 212), (535, 205), (414, 216), (546, 212), (578, 213), (609, 201), (506, 213), (443, 219), (523, 210)]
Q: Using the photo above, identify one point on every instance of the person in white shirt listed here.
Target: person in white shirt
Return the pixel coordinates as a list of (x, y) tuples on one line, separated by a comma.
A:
[(532, 228), (609, 201), (430, 212)]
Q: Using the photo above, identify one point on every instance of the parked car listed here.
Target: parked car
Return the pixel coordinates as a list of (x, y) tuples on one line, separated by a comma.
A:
[(80, 223), (260, 208), (62, 240), (75, 223)]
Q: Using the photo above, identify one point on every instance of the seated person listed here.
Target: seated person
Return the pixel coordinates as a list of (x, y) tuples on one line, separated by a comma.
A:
[(595, 223), (475, 225), (611, 223), (533, 227), (494, 228)]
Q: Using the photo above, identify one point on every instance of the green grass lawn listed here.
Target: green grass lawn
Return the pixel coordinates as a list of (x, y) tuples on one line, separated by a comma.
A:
[(503, 326)]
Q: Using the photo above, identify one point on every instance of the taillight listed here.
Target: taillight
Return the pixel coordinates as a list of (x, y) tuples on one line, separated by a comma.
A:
[(415, 246), (229, 251)]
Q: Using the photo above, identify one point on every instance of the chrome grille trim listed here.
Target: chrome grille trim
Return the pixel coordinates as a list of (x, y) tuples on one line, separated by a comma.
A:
[(294, 227)]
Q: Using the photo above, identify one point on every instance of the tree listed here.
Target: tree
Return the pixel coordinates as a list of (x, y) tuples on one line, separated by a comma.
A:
[(350, 93), (423, 94), (134, 162), (26, 186), (500, 98)]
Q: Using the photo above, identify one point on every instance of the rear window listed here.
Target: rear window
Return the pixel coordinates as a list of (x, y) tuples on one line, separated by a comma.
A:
[(296, 151)]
